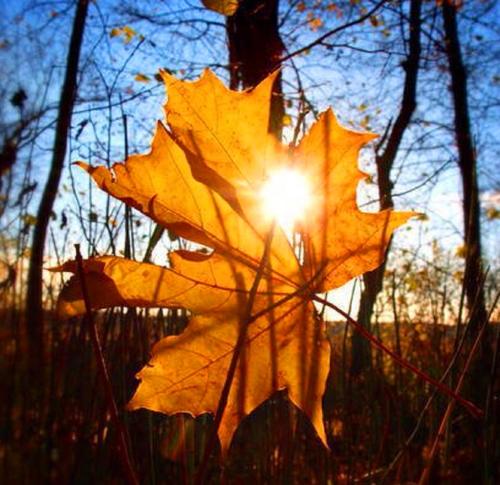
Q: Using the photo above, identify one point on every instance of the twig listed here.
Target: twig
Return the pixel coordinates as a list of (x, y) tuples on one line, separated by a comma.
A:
[(320, 39), (472, 408), (103, 371), (304, 291)]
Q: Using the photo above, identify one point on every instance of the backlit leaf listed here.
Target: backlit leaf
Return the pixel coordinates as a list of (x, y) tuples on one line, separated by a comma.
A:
[(203, 181)]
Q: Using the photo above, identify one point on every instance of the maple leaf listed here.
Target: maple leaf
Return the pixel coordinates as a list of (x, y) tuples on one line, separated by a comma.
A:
[(202, 179)]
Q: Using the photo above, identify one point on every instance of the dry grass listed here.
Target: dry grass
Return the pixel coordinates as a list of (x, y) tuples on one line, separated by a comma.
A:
[(68, 436)]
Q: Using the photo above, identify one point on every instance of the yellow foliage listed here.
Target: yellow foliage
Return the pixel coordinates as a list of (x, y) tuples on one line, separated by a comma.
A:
[(142, 78), (127, 32), (461, 251), (492, 213), (224, 7)]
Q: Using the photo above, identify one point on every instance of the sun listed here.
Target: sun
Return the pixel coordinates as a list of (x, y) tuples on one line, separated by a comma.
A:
[(286, 196)]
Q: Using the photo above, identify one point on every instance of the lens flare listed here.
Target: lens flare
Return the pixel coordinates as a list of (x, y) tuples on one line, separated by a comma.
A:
[(286, 197)]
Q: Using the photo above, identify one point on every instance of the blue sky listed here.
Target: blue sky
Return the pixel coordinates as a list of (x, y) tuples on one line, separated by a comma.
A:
[(355, 83)]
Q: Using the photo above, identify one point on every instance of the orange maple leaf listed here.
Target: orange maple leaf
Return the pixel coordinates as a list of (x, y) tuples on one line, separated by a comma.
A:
[(203, 180)]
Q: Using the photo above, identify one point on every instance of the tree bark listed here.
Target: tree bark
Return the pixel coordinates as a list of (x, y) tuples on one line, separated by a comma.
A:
[(255, 50), (34, 307), (373, 280), (474, 275)]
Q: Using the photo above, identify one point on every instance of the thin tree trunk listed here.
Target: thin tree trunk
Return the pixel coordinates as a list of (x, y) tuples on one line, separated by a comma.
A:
[(373, 280), (34, 308), (473, 274), (473, 277)]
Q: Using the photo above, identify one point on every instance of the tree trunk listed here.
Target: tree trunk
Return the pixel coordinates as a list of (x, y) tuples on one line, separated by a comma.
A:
[(473, 274), (34, 308), (473, 277), (385, 157), (255, 50)]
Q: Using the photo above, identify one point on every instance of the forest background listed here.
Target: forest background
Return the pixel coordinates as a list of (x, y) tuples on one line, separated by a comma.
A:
[(80, 82)]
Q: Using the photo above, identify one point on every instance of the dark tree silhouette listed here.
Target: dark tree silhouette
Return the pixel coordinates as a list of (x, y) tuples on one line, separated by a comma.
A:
[(473, 278), (34, 307), (385, 156), (474, 275)]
